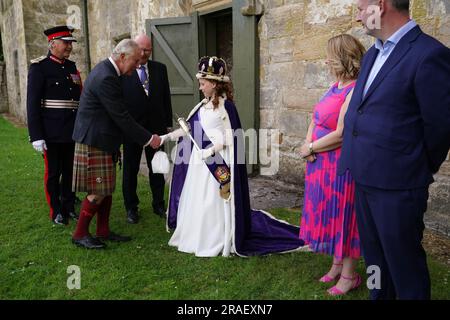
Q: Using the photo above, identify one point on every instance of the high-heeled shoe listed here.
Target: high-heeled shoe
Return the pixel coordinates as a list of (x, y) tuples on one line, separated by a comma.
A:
[(334, 291), (326, 278)]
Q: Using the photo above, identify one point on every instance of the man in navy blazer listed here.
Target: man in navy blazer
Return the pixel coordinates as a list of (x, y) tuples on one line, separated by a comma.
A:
[(396, 136), (147, 96)]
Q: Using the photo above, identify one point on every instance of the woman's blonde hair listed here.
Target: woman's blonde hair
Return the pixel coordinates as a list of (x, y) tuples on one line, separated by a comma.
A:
[(345, 53)]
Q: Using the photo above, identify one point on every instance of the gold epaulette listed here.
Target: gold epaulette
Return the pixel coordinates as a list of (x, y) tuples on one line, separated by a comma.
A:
[(37, 60)]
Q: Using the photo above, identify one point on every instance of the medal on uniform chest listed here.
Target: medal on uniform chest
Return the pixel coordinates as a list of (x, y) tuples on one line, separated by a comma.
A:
[(76, 79)]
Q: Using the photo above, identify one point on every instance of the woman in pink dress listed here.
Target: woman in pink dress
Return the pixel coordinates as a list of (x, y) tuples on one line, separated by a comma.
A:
[(328, 223)]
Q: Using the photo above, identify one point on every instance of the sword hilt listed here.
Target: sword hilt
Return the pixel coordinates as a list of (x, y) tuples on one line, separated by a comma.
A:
[(184, 125)]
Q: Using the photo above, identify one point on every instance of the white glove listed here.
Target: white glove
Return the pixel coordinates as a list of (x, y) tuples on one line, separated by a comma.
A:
[(211, 151), (172, 136), (39, 145), (163, 139), (206, 153)]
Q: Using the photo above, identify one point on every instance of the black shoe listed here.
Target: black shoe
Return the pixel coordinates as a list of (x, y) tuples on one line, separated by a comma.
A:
[(132, 216), (115, 237), (89, 243), (73, 216), (160, 211), (61, 219)]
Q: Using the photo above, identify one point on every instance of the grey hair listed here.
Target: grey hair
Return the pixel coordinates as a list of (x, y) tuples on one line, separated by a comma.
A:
[(50, 44), (126, 46)]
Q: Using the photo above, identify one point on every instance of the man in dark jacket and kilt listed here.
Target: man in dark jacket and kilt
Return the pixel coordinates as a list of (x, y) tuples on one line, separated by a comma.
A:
[(101, 123)]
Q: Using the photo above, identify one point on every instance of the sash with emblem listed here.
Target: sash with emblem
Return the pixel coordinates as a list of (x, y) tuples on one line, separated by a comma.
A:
[(216, 164)]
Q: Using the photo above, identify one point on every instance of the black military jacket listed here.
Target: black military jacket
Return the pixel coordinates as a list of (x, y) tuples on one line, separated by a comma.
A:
[(54, 89)]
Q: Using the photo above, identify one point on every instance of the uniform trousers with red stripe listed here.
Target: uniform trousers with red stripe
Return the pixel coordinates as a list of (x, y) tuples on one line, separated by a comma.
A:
[(58, 178)]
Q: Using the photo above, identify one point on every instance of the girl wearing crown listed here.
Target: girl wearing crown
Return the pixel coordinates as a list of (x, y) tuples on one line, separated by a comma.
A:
[(209, 204)]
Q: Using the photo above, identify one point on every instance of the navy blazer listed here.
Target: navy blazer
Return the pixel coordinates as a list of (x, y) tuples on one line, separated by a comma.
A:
[(103, 118), (153, 112), (398, 134)]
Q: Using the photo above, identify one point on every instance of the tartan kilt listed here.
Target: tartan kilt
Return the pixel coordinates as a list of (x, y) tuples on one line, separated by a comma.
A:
[(94, 171)]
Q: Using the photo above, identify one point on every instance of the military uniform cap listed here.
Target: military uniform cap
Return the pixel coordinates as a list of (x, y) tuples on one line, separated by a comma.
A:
[(60, 32)]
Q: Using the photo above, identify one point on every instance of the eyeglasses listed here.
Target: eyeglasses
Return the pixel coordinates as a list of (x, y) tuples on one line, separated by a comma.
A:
[(146, 50)]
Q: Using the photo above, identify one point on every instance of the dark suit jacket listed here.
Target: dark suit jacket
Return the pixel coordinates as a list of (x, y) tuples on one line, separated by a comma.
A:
[(153, 112), (103, 118), (398, 135)]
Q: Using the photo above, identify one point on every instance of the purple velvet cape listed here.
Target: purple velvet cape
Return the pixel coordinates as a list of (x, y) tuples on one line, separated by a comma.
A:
[(255, 232)]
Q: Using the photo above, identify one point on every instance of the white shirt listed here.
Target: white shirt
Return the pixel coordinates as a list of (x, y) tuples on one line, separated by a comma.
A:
[(114, 65), (385, 50)]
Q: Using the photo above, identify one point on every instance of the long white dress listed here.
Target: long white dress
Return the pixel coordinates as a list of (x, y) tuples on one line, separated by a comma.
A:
[(204, 225)]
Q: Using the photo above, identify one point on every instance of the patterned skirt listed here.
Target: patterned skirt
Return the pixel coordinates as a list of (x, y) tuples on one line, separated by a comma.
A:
[(94, 171), (328, 221)]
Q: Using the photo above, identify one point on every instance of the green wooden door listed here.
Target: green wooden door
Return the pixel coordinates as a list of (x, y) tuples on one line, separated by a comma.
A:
[(245, 75), (175, 43)]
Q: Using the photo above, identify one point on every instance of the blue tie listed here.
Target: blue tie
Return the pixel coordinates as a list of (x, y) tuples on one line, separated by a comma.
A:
[(143, 78)]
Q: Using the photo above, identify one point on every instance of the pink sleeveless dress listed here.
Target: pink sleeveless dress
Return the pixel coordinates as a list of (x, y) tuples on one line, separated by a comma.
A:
[(328, 223)]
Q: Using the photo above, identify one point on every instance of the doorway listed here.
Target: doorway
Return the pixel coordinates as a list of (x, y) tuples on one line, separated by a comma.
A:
[(217, 38)]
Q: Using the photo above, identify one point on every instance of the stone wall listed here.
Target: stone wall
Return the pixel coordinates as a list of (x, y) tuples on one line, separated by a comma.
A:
[(109, 22), (107, 26), (14, 51), (293, 36), (43, 14), (156, 10), (3, 89)]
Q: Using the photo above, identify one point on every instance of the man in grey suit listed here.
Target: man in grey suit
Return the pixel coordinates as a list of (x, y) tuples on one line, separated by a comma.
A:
[(100, 126)]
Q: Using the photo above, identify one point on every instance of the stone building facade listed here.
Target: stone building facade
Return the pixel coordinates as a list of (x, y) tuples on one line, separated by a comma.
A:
[(291, 40)]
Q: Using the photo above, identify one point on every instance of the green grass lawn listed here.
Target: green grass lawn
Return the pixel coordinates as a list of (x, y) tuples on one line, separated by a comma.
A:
[(35, 254)]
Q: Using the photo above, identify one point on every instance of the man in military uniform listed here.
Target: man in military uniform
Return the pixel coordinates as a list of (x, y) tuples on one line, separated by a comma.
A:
[(54, 88)]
